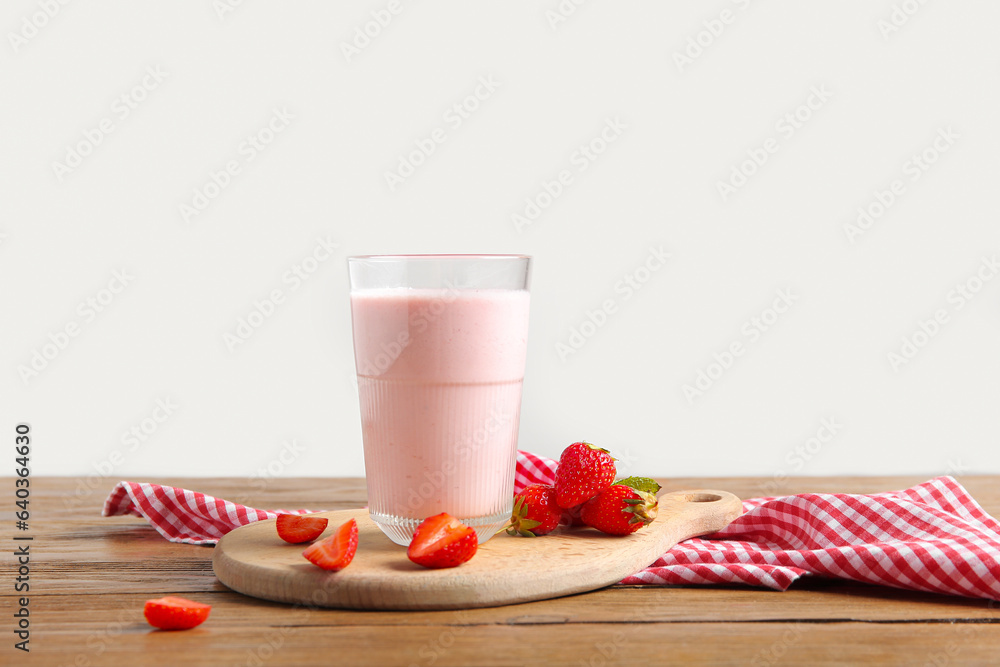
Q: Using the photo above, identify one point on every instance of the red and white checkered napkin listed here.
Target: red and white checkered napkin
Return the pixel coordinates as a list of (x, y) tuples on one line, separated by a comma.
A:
[(932, 537), (181, 515)]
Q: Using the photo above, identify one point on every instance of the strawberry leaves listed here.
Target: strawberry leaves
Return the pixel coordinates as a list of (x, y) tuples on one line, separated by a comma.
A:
[(645, 484)]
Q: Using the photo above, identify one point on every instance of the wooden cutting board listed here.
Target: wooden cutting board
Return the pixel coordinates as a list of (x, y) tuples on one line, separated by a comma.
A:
[(506, 570)]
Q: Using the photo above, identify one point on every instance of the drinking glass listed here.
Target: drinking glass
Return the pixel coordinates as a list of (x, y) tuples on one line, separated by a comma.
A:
[(440, 344)]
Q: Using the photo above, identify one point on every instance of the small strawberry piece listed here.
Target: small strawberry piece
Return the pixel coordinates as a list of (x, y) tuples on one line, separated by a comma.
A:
[(535, 512), (619, 510), (172, 613), (337, 551), (442, 541), (584, 471), (296, 529)]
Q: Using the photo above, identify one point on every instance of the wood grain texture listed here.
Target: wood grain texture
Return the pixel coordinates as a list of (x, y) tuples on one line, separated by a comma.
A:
[(254, 561), (90, 576), (570, 644)]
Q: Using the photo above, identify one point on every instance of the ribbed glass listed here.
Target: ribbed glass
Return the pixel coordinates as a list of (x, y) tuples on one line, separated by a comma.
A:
[(440, 343), (427, 452)]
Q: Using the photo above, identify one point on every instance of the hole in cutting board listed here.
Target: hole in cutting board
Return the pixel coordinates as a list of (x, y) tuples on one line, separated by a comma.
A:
[(702, 497)]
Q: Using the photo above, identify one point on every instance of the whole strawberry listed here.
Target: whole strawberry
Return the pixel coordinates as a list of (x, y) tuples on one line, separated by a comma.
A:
[(535, 511), (584, 471), (571, 517), (619, 510)]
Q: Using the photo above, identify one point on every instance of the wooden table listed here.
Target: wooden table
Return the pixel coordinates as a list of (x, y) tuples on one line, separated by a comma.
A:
[(91, 575)]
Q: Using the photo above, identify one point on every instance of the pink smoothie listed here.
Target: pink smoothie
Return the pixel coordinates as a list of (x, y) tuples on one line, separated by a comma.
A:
[(439, 375)]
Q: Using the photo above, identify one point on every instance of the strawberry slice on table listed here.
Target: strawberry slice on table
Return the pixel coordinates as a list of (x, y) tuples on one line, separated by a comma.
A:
[(535, 512), (620, 510), (584, 471), (172, 613), (442, 541), (337, 551), (296, 529)]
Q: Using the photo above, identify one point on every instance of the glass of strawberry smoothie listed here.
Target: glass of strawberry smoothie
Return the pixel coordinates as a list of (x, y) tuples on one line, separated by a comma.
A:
[(440, 344)]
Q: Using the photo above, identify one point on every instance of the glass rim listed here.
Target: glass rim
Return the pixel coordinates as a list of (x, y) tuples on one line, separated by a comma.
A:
[(440, 256)]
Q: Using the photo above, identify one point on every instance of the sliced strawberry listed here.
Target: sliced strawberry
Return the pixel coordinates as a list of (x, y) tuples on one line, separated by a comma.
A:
[(296, 529), (172, 613), (337, 551), (442, 541)]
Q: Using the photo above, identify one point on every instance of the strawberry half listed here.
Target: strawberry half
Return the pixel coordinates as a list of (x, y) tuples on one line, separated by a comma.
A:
[(535, 512), (442, 541), (296, 529), (584, 471), (619, 510), (337, 551), (172, 613)]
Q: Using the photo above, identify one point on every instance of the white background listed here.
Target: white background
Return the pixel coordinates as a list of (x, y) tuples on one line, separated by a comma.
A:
[(283, 402)]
